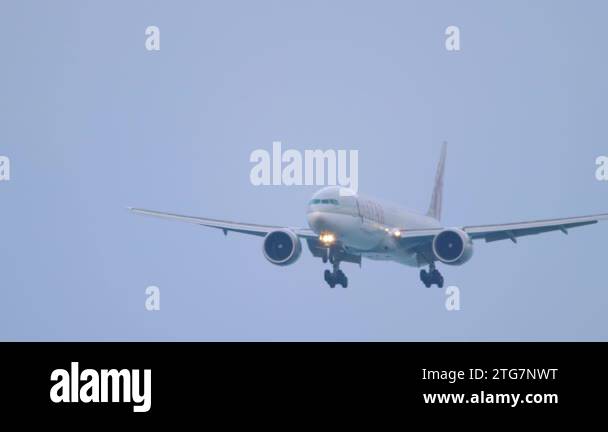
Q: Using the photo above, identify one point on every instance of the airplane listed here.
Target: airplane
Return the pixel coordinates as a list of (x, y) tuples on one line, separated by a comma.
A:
[(344, 226)]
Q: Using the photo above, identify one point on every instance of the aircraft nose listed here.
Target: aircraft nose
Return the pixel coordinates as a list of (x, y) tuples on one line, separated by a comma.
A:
[(317, 221)]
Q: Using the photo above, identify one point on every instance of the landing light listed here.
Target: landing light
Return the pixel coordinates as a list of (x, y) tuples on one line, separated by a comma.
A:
[(327, 238), (397, 233)]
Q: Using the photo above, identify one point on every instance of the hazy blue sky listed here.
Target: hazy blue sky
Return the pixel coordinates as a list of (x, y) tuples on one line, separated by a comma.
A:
[(93, 123)]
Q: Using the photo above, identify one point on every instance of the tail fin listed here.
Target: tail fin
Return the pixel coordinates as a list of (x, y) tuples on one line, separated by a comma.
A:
[(437, 197)]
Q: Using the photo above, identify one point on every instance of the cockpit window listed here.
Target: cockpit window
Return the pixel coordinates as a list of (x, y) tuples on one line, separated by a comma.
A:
[(324, 201)]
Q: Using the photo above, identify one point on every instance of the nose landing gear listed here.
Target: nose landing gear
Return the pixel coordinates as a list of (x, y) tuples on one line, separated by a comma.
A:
[(337, 276), (431, 277)]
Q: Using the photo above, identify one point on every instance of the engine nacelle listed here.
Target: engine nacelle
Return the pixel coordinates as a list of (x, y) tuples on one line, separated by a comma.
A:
[(282, 247), (453, 246)]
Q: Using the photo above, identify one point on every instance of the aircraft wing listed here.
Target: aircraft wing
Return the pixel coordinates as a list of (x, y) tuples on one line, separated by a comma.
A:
[(511, 231), (224, 225), (507, 231), (413, 238)]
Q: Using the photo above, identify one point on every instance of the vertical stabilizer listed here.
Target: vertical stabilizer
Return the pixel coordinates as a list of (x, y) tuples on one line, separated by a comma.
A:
[(437, 198)]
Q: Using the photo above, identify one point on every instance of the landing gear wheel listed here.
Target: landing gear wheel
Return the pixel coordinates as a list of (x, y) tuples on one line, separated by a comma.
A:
[(337, 277), (341, 279), (432, 277), (439, 280), (425, 278), (330, 279)]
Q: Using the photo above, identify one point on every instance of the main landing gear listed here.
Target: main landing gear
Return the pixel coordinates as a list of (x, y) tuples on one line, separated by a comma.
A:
[(337, 276), (431, 277)]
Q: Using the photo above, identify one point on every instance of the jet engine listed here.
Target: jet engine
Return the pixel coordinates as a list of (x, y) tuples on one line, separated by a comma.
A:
[(453, 246), (282, 247)]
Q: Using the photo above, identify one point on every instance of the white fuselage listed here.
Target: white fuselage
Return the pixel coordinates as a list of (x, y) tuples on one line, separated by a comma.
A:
[(365, 226)]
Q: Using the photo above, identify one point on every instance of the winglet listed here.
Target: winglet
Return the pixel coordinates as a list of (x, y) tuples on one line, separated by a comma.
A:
[(437, 197)]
